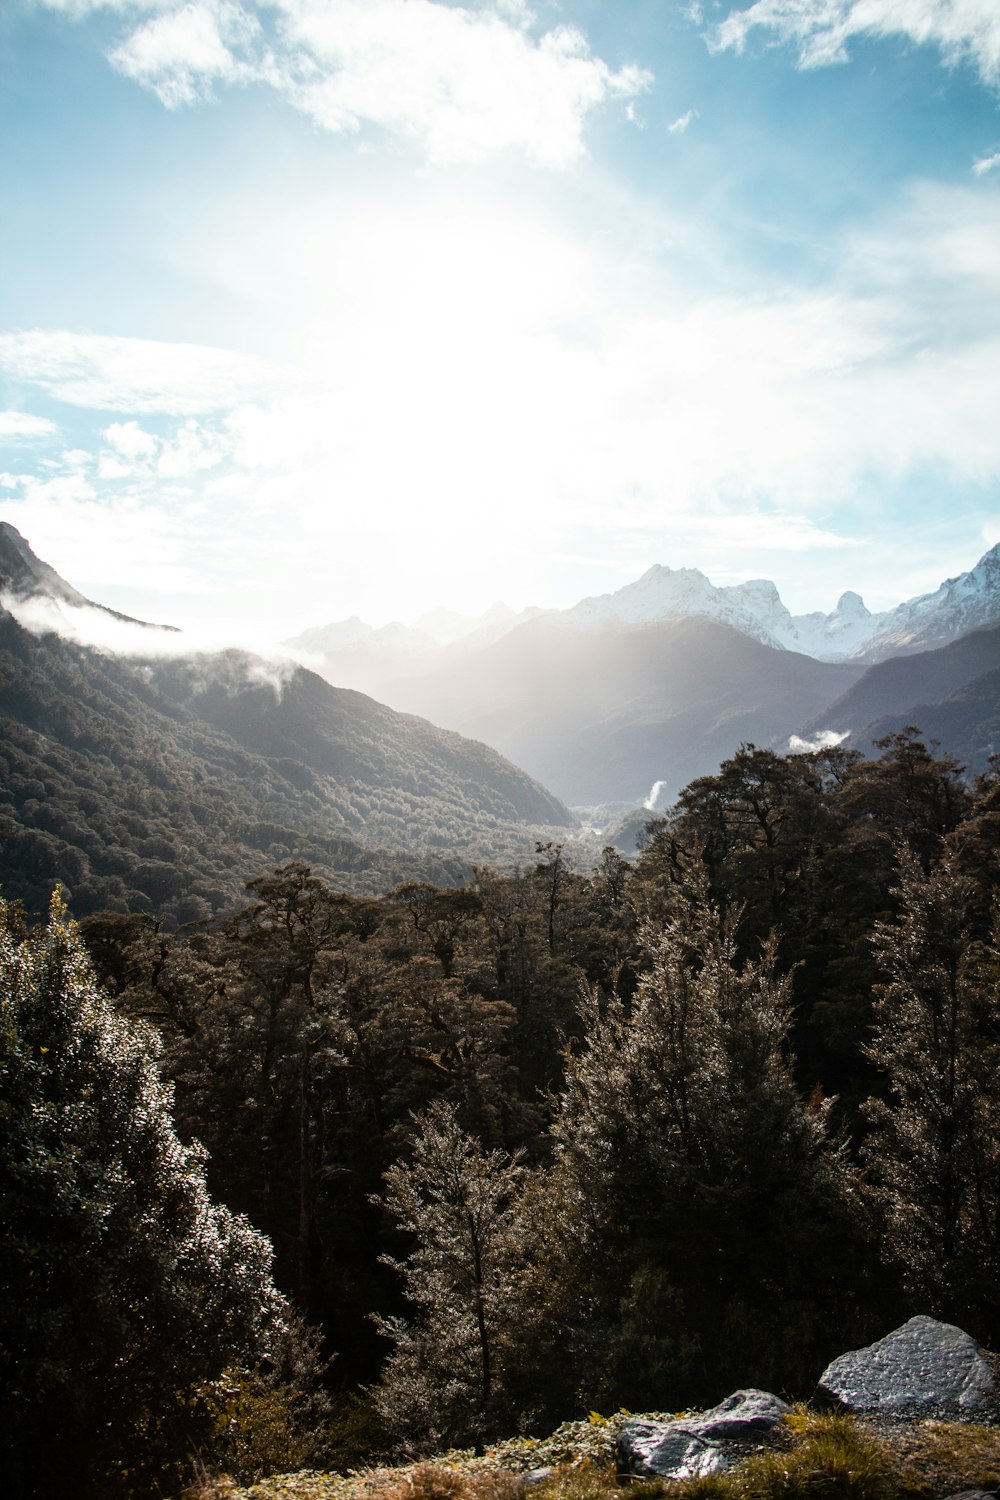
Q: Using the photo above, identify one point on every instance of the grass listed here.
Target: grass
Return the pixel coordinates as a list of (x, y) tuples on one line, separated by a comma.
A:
[(821, 1456)]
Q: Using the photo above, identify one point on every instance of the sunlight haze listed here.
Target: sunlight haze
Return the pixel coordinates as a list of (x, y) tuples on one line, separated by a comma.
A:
[(321, 308)]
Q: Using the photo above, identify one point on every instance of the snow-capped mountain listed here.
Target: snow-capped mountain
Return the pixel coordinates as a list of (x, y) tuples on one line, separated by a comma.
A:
[(968, 602), (837, 636), (353, 651), (754, 608)]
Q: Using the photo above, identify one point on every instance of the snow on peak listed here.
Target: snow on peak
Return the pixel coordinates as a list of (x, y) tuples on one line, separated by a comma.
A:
[(754, 608), (967, 602), (663, 591)]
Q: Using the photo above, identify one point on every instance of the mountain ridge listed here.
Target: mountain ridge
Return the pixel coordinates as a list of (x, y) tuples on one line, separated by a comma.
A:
[(166, 781), (27, 578), (354, 652)]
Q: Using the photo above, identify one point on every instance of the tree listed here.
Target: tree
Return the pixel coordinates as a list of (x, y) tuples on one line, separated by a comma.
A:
[(123, 1285), (908, 795), (440, 916), (445, 1381), (934, 1148), (706, 1211)]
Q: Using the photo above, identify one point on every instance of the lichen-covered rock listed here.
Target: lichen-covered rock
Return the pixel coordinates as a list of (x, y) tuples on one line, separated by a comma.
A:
[(924, 1369), (703, 1443)]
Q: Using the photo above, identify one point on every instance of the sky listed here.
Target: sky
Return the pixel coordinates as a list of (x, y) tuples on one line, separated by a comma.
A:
[(313, 308)]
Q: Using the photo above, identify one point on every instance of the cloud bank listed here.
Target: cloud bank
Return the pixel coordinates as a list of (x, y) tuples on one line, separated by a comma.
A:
[(214, 660)]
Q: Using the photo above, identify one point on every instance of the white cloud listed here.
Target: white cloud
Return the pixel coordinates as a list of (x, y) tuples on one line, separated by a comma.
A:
[(150, 642), (132, 375), (70, 489), (130, 441), (96, 541), (192, 450), (985, 164), (182, 52), (826, 739), (131, 452), (79, 9), (22, 427), (678, 126), (462, 82), (963, 30)]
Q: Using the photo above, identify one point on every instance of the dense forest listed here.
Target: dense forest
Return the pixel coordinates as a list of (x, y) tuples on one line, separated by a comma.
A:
[(524, 1147)]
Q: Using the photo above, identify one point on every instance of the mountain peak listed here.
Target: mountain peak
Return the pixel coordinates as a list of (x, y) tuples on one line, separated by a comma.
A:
[(24, 577), (851, 606)]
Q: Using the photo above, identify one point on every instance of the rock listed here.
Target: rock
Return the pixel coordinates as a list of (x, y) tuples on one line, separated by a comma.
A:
[(924, 1369), (705, 1443)]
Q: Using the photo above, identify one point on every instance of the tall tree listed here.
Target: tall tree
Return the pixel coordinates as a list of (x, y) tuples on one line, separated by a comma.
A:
[(123, 1285), (446, 1380), (698, 1186), (934, 1149)]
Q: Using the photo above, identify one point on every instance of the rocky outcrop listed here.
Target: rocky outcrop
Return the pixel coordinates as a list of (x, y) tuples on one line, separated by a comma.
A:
[(691, 1446), (924, 1369)]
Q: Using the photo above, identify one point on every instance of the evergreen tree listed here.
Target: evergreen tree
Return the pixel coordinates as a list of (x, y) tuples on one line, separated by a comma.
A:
[(706, 1216), (445, 1383), (122, 1286), (934, 1149)]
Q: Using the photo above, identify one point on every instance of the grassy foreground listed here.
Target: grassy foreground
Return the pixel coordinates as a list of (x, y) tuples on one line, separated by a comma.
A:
[(819, 1456)]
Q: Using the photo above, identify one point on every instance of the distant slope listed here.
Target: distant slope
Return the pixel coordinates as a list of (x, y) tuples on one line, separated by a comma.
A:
[(600, 714), (167, 784), (966, 724), (952, 694)]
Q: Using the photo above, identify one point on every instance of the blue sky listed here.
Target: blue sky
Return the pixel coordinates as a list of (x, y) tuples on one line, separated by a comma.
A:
[(319, 307)]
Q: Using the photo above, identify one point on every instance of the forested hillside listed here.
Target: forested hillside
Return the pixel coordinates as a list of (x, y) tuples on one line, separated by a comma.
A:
[(163, 785), (551, 1142)]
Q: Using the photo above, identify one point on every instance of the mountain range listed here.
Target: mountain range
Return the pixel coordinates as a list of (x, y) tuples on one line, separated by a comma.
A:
[(849, 633), (660, 681), (156, 777)]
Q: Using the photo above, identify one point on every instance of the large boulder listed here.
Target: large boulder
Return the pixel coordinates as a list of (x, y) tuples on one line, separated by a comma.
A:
[(924, 1369), (690, 1446)]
